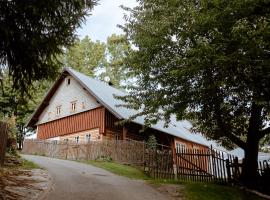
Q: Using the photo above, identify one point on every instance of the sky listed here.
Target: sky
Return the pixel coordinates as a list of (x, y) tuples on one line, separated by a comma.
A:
[(104, 19)]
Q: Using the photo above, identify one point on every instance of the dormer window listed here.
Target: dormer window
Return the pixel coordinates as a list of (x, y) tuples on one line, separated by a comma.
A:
[(58, 110), (68, 81), (73, 106)]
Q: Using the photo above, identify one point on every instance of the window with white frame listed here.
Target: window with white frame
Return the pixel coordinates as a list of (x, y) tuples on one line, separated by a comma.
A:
[(196, 150), (180, 146), (58, 110), (77, 139), (88, 137), (73, 106)]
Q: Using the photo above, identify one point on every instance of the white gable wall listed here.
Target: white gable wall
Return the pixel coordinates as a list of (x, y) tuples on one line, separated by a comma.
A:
[(63, 97)]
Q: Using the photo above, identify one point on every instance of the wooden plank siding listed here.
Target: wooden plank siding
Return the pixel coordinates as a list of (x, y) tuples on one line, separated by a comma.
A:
[(75, 123)]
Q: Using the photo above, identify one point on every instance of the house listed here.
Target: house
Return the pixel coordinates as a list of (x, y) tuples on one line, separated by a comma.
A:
[(80, 108)]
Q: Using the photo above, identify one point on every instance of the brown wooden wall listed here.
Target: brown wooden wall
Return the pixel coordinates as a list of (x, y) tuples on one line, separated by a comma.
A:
[(79, 122), (189, 144)]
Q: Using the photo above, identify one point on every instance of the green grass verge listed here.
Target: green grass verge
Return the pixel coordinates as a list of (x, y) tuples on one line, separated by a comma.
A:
[(26, 164), (204, 191), (191, 191), (119, 169)]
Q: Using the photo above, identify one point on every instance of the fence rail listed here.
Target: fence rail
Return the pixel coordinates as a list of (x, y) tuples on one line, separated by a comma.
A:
[(3, 141), (130, 152)]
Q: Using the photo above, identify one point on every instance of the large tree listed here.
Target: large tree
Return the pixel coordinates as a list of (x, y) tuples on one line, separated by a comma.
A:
[(117, 48), (207, 61), (18, 108), (99, 59), (86, 56), (33, 33)]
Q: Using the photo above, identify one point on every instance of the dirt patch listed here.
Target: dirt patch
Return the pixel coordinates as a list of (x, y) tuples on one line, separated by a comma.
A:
[(171, 190), (17, 184)]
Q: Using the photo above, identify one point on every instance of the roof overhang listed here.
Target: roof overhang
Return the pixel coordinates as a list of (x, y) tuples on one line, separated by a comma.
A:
[(45, 102)]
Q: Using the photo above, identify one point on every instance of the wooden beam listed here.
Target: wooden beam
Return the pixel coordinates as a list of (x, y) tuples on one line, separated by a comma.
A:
[(125, 130)]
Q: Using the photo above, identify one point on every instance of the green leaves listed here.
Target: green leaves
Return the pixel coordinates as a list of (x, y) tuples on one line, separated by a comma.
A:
[(207, 61)]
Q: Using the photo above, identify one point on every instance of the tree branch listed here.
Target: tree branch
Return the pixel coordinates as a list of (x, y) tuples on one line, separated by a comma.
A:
[(236, 140), (264, 132)]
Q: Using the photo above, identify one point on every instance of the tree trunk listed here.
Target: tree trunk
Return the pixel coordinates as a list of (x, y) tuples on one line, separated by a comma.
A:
[(249, 176)]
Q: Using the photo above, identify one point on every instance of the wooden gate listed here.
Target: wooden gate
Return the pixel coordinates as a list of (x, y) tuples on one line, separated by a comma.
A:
[(3, 141), (189, 164)]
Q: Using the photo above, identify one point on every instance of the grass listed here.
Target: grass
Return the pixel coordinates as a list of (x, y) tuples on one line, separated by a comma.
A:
[(119, 169), (202, 191), (26, 164), (191, 191)]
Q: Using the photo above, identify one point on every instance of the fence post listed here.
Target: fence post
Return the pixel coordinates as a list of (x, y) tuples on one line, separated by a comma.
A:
[(67, 150), (228, 170)]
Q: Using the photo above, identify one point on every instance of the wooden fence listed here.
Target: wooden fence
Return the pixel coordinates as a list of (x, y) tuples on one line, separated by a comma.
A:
[(162, 162), (3, 141), (129, 152), (200, 165), (190, 164)]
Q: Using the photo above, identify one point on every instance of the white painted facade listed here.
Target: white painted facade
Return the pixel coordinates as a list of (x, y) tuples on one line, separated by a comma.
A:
[(61, 104)]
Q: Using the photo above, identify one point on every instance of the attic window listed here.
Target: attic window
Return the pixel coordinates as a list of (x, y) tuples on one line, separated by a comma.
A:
[(73, 106), (58, 110), (68, 81)]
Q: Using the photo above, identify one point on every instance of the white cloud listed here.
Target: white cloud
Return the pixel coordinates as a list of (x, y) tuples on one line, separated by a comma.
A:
[(104, 19)]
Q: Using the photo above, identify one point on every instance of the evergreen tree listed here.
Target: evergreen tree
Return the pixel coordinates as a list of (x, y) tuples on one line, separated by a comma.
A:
[(33, 33)]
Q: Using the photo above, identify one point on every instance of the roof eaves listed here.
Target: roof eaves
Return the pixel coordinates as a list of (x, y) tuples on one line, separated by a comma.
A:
[(94, 94)]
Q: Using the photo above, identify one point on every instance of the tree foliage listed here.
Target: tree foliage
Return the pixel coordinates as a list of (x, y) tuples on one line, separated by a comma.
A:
[(86, 56), (17, 109), (32, 34), (206, 61), (99, 59), (115, 68)]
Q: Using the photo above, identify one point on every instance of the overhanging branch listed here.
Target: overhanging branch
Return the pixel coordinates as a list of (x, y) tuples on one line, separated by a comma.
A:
[(264, 132)]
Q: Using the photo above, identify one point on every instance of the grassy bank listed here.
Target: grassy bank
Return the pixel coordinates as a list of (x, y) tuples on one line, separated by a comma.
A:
[(121, 170), (26, 164), (202, 191), (191, 191)]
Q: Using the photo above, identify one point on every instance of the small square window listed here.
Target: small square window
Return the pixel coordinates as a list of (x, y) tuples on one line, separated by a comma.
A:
[(77, 139), (88, 137), (73, 106), (58, 110), (68, 81)]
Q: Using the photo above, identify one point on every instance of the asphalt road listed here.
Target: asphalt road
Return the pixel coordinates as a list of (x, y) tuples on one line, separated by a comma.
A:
[(77, 181)]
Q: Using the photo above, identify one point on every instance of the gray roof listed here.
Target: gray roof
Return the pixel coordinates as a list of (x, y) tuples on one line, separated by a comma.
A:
[(241, 154), (105, 95)]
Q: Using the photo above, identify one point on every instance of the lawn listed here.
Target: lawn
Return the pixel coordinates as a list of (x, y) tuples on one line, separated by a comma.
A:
[(122, 170), (201, 191), (191, 191)]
